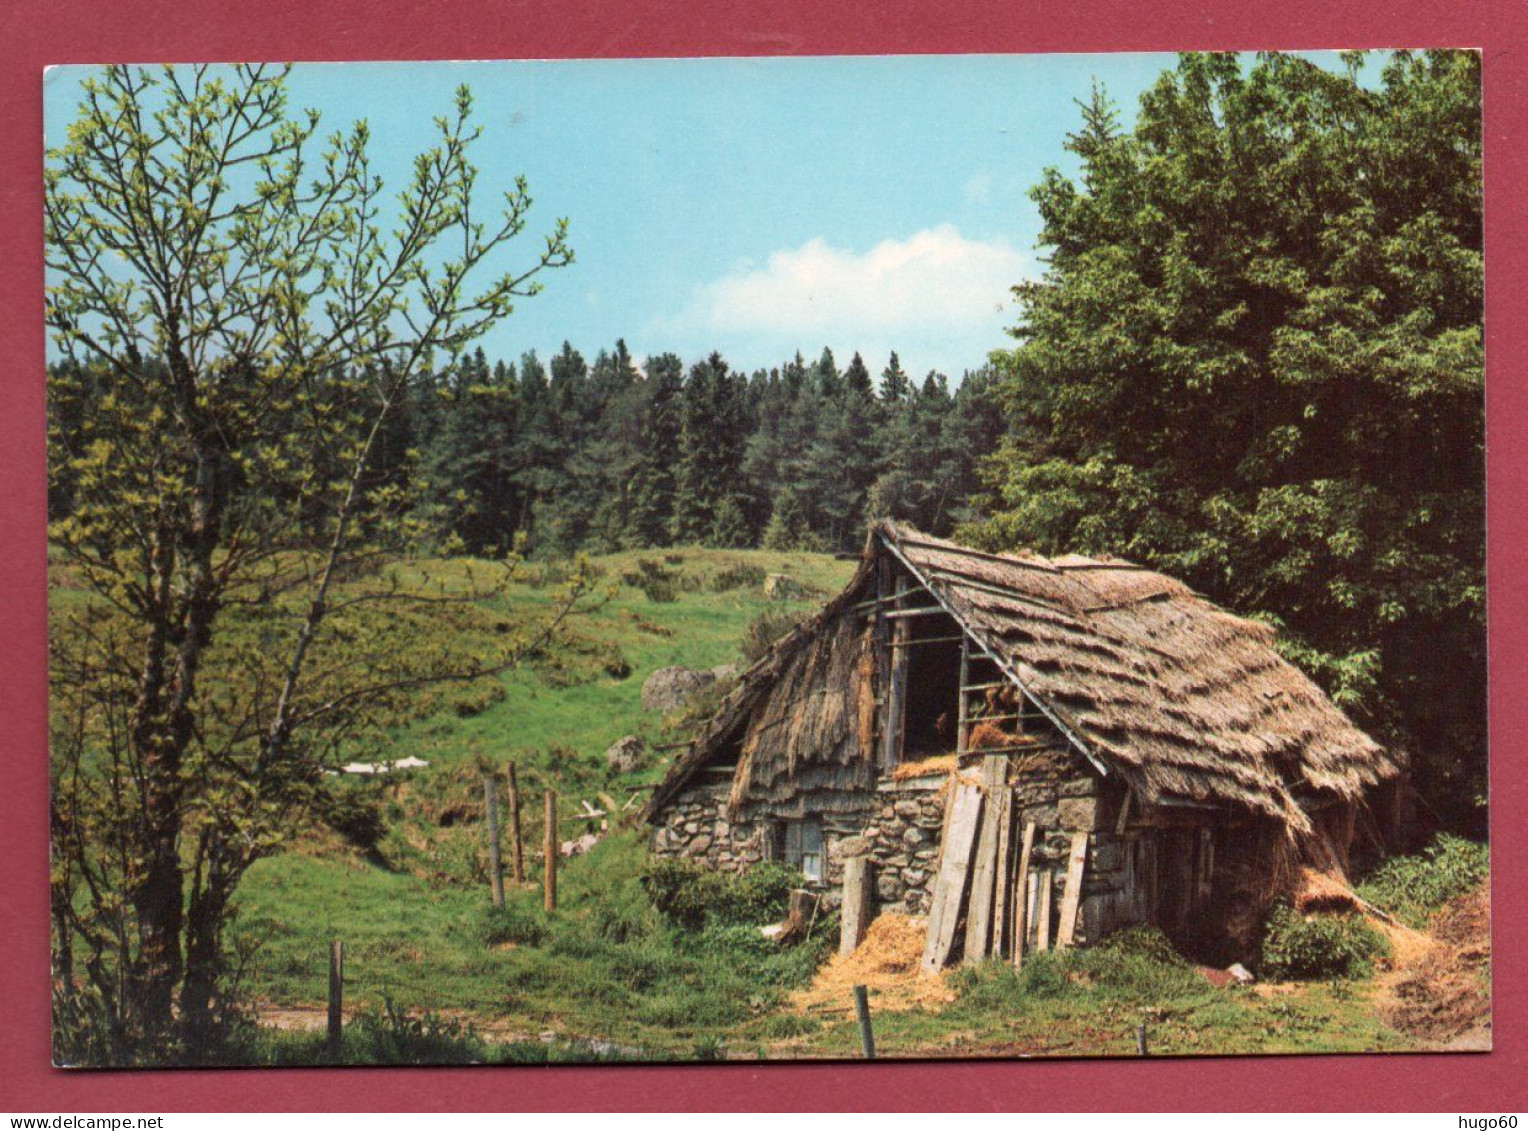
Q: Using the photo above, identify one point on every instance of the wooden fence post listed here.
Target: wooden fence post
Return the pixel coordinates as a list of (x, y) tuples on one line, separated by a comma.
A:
[(862, 1008), (854, 915), (495, 859), (336, 997), (550, 848), (516, 852)]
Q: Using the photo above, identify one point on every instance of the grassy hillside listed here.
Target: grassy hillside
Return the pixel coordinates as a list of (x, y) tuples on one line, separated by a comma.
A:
[(413, 908), (413, 911)]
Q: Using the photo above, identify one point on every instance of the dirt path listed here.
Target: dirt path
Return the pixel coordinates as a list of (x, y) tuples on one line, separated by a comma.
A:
[(315, 1019), (1440, 993)]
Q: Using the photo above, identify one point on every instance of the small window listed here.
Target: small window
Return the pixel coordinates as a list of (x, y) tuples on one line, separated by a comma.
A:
[(803, 846)]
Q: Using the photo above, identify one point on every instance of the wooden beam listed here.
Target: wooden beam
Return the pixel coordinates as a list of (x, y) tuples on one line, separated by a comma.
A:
[(909, 642), (1124, 813), (1021, 897), (965, 808), (965, 671), (966, 581), (891, 734), (1071, 896), (920, 611)]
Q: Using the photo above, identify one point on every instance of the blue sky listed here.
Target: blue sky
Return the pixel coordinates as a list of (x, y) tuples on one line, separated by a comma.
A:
[(755, 206)]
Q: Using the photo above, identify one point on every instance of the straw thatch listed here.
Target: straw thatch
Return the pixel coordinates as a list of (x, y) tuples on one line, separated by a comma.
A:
[(1186, 701), (802, 718)]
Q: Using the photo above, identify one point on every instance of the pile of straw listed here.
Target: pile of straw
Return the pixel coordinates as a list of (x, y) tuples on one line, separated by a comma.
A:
[(887, 964)]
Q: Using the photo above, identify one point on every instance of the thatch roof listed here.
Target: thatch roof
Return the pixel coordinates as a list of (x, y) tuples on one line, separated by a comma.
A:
[(1147, 678)]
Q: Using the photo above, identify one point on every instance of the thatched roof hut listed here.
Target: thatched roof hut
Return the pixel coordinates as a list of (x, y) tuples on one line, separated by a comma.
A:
[(1146, 678)]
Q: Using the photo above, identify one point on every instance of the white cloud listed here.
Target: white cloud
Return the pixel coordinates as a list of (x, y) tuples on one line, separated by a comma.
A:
[(978, 190), (936, 284)]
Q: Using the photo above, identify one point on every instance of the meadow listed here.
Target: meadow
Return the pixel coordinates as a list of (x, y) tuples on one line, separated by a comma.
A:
[(435, 973)]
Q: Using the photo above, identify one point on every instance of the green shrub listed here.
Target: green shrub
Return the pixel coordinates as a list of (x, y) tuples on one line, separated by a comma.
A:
[(1142, 942), (386, 1036), (656, 582), (692, 896), (354, 813), (768, 627), (1321, 946), (757, 896), (740, 575), (516, 923), (392, 1036), (1412, 888), (681, 891)]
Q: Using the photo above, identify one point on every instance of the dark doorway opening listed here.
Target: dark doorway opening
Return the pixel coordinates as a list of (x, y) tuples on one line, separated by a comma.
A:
[(933, 697)]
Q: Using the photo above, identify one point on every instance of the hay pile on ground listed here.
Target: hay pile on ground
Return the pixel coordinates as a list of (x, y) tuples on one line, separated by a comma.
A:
[(886, 963), (1443, 996)]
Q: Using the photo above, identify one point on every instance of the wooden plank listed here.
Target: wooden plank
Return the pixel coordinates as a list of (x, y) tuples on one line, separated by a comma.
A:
[(984, 873), (954, 871), (960, 713), (1071, 895), (891, 732), (1043, 910), (854, 914), (916, 640), (1003, 882), (1021, 897)]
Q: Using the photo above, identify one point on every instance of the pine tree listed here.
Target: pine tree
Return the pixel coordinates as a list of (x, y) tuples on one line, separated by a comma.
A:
[(896, 386), (662, 426)]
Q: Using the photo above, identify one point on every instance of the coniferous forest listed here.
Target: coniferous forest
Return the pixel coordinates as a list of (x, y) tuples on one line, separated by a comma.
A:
[(552, 457)]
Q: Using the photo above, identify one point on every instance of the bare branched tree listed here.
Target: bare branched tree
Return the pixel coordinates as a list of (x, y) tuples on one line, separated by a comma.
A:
[(244, 311)]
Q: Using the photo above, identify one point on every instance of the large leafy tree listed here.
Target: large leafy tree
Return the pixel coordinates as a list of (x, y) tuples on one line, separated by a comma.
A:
[(246, 311), (1255, 361)]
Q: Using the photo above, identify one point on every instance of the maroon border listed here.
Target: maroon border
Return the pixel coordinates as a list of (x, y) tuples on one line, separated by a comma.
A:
[(39, 32)]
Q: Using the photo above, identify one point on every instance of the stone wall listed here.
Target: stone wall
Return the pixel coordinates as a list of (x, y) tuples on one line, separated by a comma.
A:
[(899, 828), (695, 827)]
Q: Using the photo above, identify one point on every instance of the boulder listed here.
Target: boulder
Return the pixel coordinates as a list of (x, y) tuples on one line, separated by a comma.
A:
[(578, 845), (626, 754), (668, 688), (783, 587)]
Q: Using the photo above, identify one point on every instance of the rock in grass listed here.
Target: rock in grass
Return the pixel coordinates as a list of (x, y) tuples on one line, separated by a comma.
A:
[(626, 754), (667, 688), (783, 587)]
